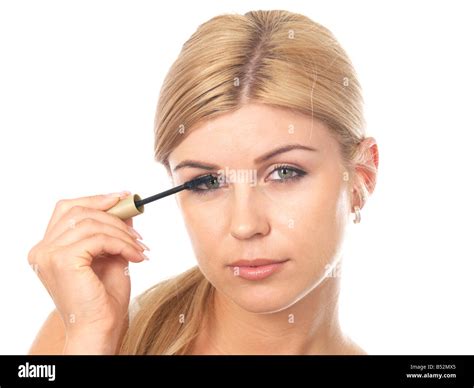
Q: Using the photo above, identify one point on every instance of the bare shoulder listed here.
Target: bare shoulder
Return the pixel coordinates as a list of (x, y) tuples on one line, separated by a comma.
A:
[(51, 336)]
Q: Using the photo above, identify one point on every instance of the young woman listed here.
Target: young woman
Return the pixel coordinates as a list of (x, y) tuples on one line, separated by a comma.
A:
[(269, 103)]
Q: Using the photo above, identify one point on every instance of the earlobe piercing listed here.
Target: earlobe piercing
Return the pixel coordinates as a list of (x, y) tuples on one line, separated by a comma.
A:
[(357, 214)]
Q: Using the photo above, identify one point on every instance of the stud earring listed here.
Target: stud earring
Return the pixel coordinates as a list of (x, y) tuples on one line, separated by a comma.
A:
[(357, 214)]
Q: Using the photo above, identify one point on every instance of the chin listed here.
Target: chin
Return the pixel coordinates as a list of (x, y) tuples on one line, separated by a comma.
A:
[(262, 300)]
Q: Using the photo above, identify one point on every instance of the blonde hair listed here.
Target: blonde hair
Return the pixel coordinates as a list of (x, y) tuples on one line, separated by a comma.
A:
[(273, 57)]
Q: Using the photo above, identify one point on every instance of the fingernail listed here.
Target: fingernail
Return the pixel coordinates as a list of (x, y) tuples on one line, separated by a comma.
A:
[(143, 245), (135, 233), (143, 256)]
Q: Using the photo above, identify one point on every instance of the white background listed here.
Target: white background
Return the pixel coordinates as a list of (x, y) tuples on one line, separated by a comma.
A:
[(79, 82)]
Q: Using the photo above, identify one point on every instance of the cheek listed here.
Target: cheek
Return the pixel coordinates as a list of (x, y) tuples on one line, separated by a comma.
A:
[(205, 225), (319, 221)]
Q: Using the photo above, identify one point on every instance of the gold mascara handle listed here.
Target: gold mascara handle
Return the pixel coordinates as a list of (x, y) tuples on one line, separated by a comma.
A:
[(126, 207)]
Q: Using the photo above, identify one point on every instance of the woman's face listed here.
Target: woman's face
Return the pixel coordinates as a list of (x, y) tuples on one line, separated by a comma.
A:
[(259, 209)]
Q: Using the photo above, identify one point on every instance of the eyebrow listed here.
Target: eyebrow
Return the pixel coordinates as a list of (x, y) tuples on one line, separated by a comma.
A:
[(260, 159)]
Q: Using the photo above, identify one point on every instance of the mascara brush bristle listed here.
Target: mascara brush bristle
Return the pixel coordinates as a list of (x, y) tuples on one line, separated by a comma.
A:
[(199, 181)]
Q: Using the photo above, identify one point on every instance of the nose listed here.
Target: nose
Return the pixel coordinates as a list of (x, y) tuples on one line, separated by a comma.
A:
[(248, 213)]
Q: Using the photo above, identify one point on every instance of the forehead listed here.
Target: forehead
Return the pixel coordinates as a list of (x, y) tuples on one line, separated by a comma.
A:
[(248, 132)]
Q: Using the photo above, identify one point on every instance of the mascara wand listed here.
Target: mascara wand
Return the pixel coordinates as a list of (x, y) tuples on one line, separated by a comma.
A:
[(133, 205)]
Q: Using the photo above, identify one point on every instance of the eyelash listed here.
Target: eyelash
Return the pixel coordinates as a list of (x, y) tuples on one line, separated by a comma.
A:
[(300, 174)]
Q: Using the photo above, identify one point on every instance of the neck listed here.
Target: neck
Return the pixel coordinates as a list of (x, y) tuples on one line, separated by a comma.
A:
[(310, 326)]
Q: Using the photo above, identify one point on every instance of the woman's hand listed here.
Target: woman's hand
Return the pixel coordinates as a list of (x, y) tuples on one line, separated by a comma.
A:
[(83, 263)]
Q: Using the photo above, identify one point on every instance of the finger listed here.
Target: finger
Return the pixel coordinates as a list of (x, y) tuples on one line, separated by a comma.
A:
[(129, 222), (76, 214), (99, 244), (88, 227), (99, 202)]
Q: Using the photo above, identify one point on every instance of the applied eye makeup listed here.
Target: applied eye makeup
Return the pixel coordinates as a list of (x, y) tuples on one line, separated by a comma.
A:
[(281, 174)]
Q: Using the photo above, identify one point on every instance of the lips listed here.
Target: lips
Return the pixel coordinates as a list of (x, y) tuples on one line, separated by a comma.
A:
[(257, 269), (255, 262)]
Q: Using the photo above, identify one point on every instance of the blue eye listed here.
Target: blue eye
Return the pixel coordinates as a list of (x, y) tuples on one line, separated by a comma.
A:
[(211, 186), (285, 173)]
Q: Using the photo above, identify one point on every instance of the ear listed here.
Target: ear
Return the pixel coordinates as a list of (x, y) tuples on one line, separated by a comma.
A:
[(366, 166)]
